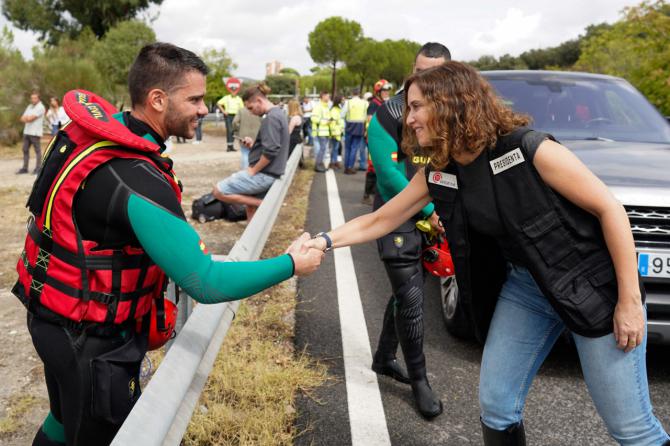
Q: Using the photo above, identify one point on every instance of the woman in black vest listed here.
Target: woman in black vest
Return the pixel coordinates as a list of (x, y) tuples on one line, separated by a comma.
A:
[(539, 245)]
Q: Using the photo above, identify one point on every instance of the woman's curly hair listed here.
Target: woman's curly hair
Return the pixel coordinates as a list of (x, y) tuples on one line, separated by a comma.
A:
[(466, 115)]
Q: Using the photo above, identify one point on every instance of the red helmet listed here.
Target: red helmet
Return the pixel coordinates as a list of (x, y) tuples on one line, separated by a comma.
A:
[(437, 259), (382, 84), (158, 336)]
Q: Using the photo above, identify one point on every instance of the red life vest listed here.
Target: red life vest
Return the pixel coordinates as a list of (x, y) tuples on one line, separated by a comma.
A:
[(60, 271)]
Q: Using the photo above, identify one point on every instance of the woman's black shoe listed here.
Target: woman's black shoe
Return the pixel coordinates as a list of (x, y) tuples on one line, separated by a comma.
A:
[(390, 368), (515, 435), (428, 404)]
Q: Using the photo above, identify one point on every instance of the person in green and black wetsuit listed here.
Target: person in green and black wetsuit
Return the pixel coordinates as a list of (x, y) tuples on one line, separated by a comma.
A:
[(401, 250), (129, 202)]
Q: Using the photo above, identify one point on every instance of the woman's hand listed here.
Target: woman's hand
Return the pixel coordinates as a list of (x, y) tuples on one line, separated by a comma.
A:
[(435, 222), (317, 243), (629, 322)]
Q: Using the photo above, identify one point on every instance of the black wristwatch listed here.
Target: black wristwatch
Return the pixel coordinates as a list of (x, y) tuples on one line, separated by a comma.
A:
[(326, 237)]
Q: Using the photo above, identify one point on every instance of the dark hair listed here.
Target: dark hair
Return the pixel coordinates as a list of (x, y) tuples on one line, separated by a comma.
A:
[(160, 65), (466, 114), (337, 100), (255, 90), (356, 91), (434, 50), (324, 92)]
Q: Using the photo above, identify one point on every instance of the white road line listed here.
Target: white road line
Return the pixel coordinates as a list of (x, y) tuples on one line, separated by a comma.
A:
[(366, 412)]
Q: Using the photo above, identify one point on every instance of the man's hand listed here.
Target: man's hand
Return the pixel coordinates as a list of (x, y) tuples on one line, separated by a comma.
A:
[(251, 171), (306, 260), (247, 141), (435, 223)]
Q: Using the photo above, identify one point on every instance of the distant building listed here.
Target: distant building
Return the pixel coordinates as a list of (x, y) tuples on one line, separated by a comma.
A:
[(273, 67)]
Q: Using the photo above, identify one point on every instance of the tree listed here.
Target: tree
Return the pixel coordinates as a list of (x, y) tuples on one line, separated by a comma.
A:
[(289, 72), (281, 84), (635, 48), (367, 60), (115, 52), (332, 41), (52, 19), (220, 65), (400, 59), (14, 88)]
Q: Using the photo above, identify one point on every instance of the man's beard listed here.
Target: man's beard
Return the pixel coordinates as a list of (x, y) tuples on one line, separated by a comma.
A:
[(178, 125)]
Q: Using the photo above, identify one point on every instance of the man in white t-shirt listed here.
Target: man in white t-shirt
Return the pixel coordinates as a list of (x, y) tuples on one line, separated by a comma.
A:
[(33, 118)]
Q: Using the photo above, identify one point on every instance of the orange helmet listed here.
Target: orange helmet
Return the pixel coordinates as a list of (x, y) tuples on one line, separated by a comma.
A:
[(437, 259), (382, 84), (161, 331)]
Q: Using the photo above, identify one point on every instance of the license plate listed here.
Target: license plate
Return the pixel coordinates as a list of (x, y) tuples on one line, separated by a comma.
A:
[(654, 264)]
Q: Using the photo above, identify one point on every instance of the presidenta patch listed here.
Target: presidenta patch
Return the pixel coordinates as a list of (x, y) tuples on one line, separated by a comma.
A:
[(443, 179), (507, 161)]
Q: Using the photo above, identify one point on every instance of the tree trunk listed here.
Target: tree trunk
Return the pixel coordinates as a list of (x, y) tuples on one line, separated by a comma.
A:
[(334, 82)]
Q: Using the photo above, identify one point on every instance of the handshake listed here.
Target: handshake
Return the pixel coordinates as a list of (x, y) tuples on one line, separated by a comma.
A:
[(307, 253)]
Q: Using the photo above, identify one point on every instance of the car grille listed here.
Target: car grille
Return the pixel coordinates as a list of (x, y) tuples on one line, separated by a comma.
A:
[(651, 226)]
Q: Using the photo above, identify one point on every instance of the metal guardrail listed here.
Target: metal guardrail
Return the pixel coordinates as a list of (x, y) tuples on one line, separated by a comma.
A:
[(162, 414)]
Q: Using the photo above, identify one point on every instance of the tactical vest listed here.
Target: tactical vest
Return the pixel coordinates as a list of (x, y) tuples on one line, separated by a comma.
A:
[(562, 245), (58, 270)]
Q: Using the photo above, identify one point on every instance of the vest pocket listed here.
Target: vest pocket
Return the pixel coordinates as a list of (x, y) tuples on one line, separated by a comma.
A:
[(549, 236), (585, 304)]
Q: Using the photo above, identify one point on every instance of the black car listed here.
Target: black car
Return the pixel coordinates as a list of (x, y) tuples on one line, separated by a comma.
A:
[(623, 139)]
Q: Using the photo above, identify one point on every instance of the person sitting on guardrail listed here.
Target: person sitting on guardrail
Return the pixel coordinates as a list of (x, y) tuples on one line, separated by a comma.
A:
[(267, 157), (107, 229), (539, 245)]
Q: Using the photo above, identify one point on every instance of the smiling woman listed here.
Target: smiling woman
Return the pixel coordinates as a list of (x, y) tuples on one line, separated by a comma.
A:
[(539, 245)]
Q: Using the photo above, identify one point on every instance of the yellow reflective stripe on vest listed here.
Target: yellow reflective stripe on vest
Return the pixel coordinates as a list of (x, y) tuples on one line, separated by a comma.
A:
[(66, 171)]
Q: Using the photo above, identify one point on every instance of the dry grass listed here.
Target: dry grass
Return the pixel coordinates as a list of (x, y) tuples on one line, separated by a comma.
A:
[(249, 397), (17, 407)]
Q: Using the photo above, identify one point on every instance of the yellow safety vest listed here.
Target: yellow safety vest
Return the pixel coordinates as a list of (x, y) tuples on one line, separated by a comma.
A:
[(357, 109), (231, 104), (321, 120), (336, 123)]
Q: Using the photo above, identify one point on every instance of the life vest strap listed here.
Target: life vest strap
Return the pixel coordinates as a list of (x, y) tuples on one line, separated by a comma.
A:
[(98, 262)]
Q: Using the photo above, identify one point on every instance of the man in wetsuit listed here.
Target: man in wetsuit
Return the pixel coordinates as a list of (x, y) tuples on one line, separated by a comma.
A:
[(107, 228), (401, 250)]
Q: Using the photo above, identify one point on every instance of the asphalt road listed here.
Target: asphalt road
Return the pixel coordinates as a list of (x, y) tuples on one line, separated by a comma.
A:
[(559, 410)]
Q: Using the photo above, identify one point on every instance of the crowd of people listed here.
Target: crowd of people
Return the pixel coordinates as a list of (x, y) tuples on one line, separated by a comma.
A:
[(93, 270)]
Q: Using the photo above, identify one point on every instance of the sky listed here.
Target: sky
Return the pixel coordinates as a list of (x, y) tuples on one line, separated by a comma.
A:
[(254, 32)]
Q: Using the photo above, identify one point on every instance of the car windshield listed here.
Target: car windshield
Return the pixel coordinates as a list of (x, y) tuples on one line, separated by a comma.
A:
[(574, 108)]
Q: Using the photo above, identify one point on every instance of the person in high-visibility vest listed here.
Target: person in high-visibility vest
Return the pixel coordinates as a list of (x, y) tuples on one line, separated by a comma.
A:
[(336, 129), (355, 115), (321, 128), (230, 105)]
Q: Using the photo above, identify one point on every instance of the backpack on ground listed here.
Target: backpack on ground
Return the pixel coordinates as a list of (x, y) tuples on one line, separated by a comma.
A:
[(208, 208)]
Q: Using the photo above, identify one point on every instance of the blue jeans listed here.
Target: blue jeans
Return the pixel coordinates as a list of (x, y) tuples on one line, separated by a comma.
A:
[(241, 183), (352, 145), (523, 330), (334, 150), (322, 146), (244, 157), (363, 157)]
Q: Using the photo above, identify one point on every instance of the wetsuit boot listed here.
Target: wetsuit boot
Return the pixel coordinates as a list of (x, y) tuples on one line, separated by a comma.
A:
[(515, 435), (384, 361), (409, 325)]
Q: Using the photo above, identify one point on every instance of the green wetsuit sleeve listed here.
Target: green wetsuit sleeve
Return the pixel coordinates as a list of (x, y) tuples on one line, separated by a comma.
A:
[(391, 177), (176, 248)]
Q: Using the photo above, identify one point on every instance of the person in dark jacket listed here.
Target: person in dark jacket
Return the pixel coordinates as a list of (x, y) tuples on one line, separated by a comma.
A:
[(539, 245)]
